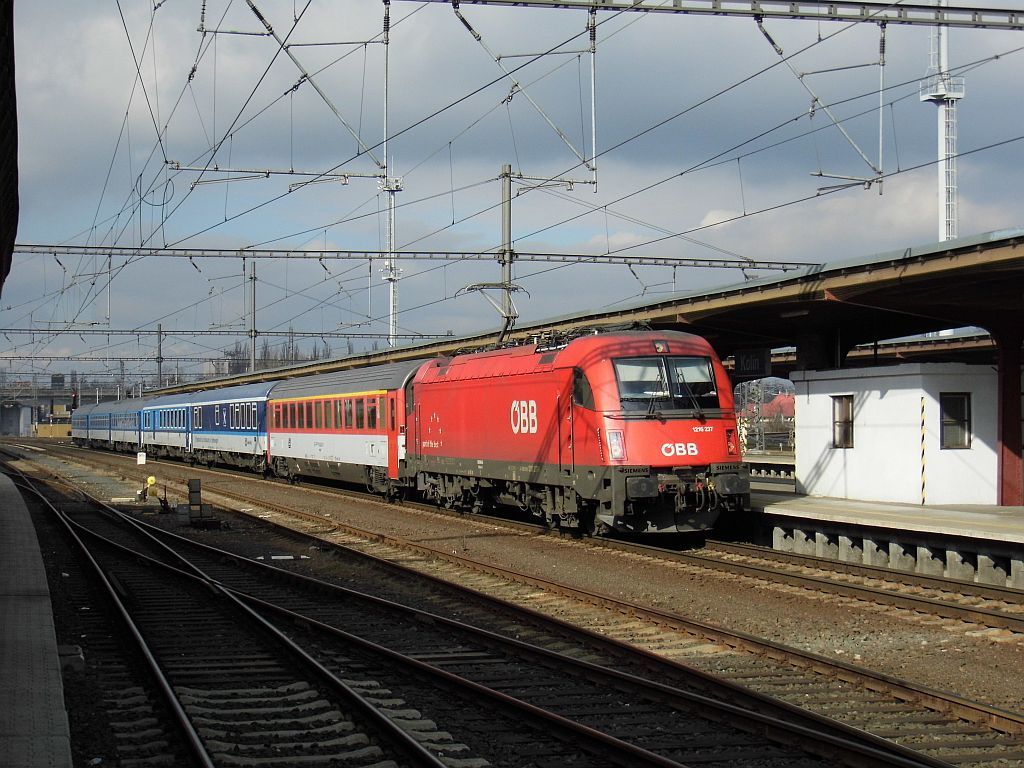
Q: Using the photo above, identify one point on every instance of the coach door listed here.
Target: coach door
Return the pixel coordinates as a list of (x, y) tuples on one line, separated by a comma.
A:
[(396, 448)]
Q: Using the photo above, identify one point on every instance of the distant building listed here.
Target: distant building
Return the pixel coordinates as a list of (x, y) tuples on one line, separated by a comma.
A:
[(916, 433), (15, 419)]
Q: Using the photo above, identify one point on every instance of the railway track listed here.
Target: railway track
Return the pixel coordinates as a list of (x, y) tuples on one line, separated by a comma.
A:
[(939, 725), (250, 685), (993, 607)]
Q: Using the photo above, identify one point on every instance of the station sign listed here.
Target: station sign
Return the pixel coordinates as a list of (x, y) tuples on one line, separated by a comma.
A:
[(752, 364)]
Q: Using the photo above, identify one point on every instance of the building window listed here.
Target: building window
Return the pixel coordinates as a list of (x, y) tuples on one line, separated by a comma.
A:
[(955, 415), (842, 421)]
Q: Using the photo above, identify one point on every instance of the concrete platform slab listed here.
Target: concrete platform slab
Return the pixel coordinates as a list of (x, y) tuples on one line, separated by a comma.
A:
[(1003, 524), (33, 724), (969, 542)]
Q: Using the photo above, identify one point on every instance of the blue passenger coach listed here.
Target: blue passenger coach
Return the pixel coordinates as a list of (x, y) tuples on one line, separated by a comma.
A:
[(224, 426), (114, 425), (165, 425)]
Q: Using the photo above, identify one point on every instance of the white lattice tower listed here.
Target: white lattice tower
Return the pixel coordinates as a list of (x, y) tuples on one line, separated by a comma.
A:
[(944, 90)]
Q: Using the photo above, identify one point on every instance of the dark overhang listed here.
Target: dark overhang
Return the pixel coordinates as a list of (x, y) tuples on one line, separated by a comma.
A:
[(974, 281), (8, 141)]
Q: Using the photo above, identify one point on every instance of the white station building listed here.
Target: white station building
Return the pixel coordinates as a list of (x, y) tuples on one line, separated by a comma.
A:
[(912, 433)]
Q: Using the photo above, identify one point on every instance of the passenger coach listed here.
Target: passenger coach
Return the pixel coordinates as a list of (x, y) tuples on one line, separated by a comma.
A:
[(345, 426), (229, 425)]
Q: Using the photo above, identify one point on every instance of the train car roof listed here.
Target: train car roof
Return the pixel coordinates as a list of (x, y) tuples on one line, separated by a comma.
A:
[(86, 408), (582, 351), (369, 379), (258, 391), (118, 406)]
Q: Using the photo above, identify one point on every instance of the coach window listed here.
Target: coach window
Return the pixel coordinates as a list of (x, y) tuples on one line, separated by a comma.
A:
[(392, 414), (337, 414), (318, 409), (360, 414), (955, 413), (348, 414), (842, 421), (371, 413)]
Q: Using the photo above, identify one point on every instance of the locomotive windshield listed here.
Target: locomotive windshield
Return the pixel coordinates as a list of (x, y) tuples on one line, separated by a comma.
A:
[(666, 383)]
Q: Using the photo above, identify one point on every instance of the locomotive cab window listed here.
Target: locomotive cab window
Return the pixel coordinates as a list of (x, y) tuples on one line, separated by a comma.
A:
[(656, 383), (582, 393)]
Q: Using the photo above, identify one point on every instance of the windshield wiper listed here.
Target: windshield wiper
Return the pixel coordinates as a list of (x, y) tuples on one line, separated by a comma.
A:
[(689, 392), (663, 392)]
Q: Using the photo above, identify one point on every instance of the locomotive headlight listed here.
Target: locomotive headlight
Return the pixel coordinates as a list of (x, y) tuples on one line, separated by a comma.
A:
[(616, 444)]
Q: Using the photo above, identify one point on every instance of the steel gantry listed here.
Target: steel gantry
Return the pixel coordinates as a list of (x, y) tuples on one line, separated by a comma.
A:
[(346, 255), (919, 14)]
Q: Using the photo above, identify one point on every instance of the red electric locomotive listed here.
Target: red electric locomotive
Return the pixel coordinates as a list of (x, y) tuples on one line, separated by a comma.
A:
[(631, 431)]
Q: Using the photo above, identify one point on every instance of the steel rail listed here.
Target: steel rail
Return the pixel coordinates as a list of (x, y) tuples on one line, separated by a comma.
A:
[(967, 588), (929, 605), (1009, 722), (622, 752), (794, 720), (809, 723), (405, 742), (192, 739), (933, 606)]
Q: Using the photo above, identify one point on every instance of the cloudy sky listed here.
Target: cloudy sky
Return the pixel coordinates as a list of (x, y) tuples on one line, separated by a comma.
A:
[(707, 146)]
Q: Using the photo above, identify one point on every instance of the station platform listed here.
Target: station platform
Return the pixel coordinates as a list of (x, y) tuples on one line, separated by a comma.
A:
[(34, 728), (969, 542)]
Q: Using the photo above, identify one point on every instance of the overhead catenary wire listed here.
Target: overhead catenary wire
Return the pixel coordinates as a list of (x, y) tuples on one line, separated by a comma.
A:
[(142, 198)]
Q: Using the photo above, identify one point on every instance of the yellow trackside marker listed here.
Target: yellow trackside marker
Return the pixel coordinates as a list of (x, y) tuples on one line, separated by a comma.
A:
[(922, 453)]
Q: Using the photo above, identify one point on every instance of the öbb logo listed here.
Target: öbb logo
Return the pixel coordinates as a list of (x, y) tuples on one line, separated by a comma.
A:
[(523, 417), (679, 449)]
